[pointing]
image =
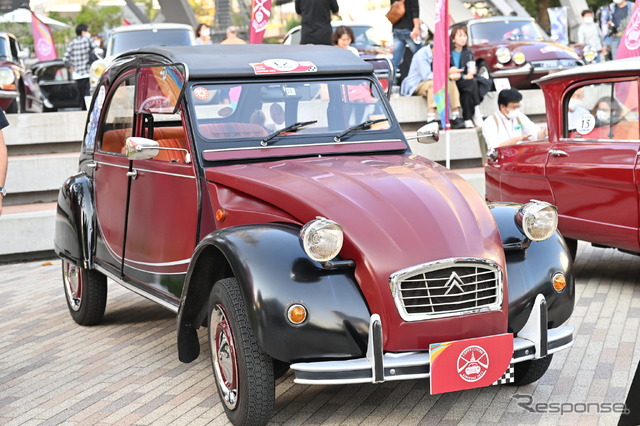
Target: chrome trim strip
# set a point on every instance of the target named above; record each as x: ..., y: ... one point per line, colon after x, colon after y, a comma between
x: 160, y: 264
x: 163, y: 173
x: 153, y: 298
x: 111, y: 164
x: 6, y: 94
x: 396, y: 277
x: 251, y: 148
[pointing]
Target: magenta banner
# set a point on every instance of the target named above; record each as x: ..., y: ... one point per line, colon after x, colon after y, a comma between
x: 260, y: 12
x: 441, y: 60
x: 42, y: 40
x: 630, y: 43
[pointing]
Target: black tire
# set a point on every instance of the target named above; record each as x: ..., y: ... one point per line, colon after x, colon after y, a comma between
x: 16, y: 105
x: 572, y: 245
x: 531, y: 371
x: 243, y: 372
x: 86, y: 293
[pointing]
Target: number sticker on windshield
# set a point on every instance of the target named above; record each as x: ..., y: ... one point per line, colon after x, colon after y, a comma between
x: 585, y: 124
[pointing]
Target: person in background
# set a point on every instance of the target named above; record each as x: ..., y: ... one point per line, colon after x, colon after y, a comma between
x: 4, y: 158
x: 203, y: 35
x: 316, y: 20
x: 575, y: 109
x: 406, y: 32
x: 78, y: 60
x: 463, y: 72
x: 419, y: 82
x: 619, y: 15
x: 232, y: 36
x: 343, y: 37
x: 509, y: 125
x: 607, y: 112
x: 589, y: 33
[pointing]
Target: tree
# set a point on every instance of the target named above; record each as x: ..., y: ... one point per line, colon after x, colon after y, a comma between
x: 99, y: 18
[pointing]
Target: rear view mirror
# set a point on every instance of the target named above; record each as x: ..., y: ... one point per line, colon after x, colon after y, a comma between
x: 136, y: 148
x: 429, y: 133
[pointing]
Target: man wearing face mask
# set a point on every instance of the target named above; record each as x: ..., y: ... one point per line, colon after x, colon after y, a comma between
x: 589, y: 33
x: 509, y: 125
x: 78, y: 60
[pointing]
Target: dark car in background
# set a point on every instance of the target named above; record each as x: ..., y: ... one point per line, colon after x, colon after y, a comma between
x: 19, y: 92
x: 589, y: 166
x: 57, y: 88
x: 516, y: 48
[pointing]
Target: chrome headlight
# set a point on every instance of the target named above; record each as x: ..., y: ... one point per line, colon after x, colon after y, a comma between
x: 503, y: 55
x: 321, y: 239
x: 589, y: 53
x: 6, y: 76
x: 537, y: 220
x: 519, y: 58
x: 96, y: 70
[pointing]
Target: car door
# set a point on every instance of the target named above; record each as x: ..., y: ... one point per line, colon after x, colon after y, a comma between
x: 111, y: 167
x: 593, y: 169
x: 163, y: 205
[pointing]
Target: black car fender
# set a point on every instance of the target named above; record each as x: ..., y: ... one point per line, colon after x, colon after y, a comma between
x: 273, y: 273
x: 75, y: 236
x: 531, y: 267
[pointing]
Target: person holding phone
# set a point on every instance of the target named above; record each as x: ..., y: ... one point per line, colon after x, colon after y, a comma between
x: 509, y: 125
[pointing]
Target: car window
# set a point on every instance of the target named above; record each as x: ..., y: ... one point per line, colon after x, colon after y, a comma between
x: 603, y: 111
x: 495, y: 31
x: 5, y: 52
x: 118, y: 123
x: 128, y: 40
x: 254, y: 110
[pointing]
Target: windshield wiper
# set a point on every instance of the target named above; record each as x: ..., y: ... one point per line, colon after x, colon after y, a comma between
x: 292, y: 128
x: 365, y: 125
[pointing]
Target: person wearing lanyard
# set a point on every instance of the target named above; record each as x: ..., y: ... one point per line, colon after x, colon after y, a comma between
x: 509, y: 125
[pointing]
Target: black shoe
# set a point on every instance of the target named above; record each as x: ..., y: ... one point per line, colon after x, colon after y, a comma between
x: 457, y: 123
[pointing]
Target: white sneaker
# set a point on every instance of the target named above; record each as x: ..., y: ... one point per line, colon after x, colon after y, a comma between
x: 477, y: 117
x: 468, y: 124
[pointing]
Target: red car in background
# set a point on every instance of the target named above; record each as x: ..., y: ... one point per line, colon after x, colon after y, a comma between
x: 588, y: 167
x: 19, y: 92
x: 516, y: 48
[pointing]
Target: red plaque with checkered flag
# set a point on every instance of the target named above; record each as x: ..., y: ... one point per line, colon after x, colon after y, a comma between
x: 471, y: 363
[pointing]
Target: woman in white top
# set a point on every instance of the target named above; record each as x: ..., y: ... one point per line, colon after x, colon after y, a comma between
x: 343, y: 37
x: 203, y: 35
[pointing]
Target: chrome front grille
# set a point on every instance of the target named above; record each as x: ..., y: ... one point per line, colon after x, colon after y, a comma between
x: 446, y: 288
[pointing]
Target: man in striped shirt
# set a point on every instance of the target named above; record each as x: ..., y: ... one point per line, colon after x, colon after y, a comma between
x: 77, y: 58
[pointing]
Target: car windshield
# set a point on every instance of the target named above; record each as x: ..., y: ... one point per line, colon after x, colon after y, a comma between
x: 5, y: 52
x: 495, y: 31
x: 128, y: 40
x: 243, y: 114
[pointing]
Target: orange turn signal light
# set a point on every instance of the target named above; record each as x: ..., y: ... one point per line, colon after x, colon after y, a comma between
x: 297, y: 314
x: 221, y: 215
x: 559, y: 282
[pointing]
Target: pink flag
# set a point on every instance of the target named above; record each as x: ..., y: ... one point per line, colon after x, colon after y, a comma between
x: 260, y: 11
x: 630, y: 42
x: 42, y: 40
x: 441, y: 60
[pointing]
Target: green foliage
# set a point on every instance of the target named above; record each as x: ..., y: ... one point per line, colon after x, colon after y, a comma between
x: 99, y: 18
x: 293, y: 22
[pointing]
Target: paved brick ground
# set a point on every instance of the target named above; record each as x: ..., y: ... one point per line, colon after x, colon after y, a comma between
x: 126, y: 371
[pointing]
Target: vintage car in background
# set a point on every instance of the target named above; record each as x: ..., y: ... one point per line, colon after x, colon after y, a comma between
x: 516, y: 48
x: 270, y: 196
x: 19, y: 92
x: 367, y: 41
x: 130, y: 37
x: 57, y: 88
x: 588, y: 167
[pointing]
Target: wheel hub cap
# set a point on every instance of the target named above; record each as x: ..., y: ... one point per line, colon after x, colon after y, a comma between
x: 73, y: 285
x: 225, y: 365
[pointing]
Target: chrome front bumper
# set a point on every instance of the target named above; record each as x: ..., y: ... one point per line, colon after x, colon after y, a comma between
x: 532, y: 342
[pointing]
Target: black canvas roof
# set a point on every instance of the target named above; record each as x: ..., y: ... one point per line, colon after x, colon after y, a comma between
x: 235, y: 60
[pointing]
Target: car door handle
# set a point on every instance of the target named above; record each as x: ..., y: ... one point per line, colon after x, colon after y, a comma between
x: 132, y: 174
x: 558, y: 153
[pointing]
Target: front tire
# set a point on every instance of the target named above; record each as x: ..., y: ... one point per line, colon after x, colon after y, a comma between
x: 86, y: 293
x: 243, y: 372
x: 572, y: 245
x: 527, y: 372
